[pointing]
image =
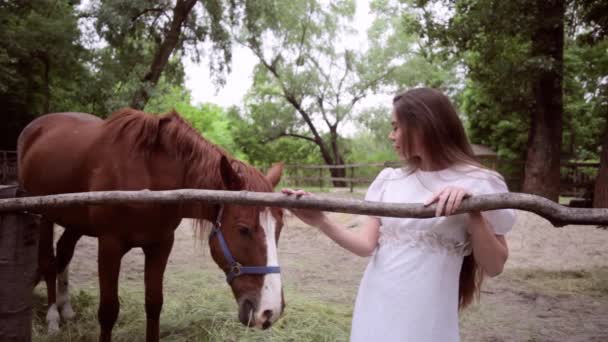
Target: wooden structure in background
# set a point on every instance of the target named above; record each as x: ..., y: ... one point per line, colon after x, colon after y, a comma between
x: 577, y: 178
x: 8, y: 167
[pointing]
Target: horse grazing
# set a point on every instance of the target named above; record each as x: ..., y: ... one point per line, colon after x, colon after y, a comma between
x: 132, y: 150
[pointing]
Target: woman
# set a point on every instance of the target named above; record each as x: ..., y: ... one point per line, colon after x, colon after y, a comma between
x: 422, y: 271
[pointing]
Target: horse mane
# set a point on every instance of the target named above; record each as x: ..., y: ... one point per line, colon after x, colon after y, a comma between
x: 144, y: 133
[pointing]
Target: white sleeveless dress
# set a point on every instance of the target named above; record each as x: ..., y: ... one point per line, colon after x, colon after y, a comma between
x: 409, y: 291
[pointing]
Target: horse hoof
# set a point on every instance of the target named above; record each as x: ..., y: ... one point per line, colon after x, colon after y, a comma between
x: 53, y: 328
x: 52, y: 319
x: 67, y: 312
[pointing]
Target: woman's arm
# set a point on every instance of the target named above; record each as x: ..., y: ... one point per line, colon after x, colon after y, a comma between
x: 490, y: 250
x: 361, y: 243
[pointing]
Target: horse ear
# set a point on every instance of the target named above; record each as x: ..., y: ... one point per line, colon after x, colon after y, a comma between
x: 274, y: 173
x: 230, y: 177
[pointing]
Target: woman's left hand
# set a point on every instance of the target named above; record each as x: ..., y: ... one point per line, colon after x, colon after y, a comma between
x: 449, y: 198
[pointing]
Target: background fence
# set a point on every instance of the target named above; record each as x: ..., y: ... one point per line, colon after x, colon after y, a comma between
x: 8, y: 167
x: 577, y: 179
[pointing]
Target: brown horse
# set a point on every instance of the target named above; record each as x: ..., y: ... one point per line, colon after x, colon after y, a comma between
x: 77, y: 152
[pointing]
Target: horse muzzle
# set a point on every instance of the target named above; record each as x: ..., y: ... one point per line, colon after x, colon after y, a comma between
x: 254, y: 316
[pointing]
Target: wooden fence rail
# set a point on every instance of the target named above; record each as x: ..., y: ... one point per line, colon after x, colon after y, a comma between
x: 576, y: 181
x: 577, y: 178
x: 557, y: 214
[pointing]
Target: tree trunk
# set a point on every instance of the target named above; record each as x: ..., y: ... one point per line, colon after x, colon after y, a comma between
x: 542, y: 172
x: 338, y: 173
x: 330, y: 160
x: 338, y: 160
x: 600, y: 192
x: 180, y: 14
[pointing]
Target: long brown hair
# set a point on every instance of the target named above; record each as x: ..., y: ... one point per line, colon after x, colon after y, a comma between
x: 429, y: 114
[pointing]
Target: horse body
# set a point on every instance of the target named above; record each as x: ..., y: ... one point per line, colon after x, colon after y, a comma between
x: 51, y: 158
x: 77, y: 152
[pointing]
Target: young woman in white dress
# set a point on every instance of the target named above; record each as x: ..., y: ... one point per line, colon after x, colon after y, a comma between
x: 422, y: 271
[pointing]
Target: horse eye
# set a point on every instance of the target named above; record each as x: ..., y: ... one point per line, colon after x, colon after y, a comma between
x: 245, y: 231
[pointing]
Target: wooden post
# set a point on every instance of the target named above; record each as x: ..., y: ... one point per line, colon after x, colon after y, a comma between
x: 18, y: 265
x: 321, y: 178
x: 352, y: 177
x: 4, y: 170
x: 297, y: 177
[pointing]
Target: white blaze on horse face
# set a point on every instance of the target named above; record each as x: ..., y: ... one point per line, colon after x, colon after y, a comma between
x: 271, y: 292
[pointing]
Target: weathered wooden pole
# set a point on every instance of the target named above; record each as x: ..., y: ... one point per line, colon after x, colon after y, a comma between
x: 18, y: 267
x: 558, y: 215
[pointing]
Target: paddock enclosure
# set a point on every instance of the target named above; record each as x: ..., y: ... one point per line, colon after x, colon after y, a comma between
x: 554, y: 288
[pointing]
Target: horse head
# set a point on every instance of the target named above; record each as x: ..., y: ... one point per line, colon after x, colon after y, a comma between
x: 244, y: 242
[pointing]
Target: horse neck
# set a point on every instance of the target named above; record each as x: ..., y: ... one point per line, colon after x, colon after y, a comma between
x: 206, y: 176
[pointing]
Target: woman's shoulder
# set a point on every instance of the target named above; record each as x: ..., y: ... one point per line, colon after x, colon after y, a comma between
x: 391, y: 174
x: 486, y: 180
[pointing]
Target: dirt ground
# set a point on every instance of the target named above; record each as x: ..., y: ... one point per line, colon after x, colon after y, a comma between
x: 554, y: 288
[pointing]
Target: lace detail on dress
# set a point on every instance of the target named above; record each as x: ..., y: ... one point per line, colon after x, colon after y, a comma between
x: 422, y: 239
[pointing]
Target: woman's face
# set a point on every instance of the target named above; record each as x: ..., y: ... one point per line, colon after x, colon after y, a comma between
x: 397, y: 136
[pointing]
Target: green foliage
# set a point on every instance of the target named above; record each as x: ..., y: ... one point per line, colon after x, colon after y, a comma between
x: 41, y: 67
x: 135, y: 30
x: 493, y: 42
x: 64, y: 56
x: 371, y: 143
x: 212, y: 121
x: 401, y: 36
x: 586, y: 97
x: 307, y: 84
x: 261, y: 151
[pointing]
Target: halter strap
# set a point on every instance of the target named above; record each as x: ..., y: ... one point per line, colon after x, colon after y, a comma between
x: 235, y: 269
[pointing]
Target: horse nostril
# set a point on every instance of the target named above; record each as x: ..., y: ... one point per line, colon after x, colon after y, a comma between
x: 246, y: 312
x: 248, y: 304
x: 267, y: 314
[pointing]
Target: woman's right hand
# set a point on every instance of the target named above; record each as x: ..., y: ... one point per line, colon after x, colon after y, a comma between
x: 312, y: 217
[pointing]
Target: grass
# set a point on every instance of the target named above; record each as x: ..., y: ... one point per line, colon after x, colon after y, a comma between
x: 195, y: 311
x: 200, y: 307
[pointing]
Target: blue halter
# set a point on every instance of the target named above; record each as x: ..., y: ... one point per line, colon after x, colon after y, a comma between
x: 235, y: 269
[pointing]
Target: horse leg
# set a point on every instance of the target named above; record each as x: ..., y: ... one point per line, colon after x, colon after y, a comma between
x: 156, y: 261
x: 47, y: 269
x: 111, y: 251
x: 65, y: 252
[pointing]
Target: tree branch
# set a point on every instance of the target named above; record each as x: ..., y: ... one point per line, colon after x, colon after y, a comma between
x: 557, y: 214
x: 147, y: 10
x: 320, y: 100
x: 163, y: 51
x: 283, y: 134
